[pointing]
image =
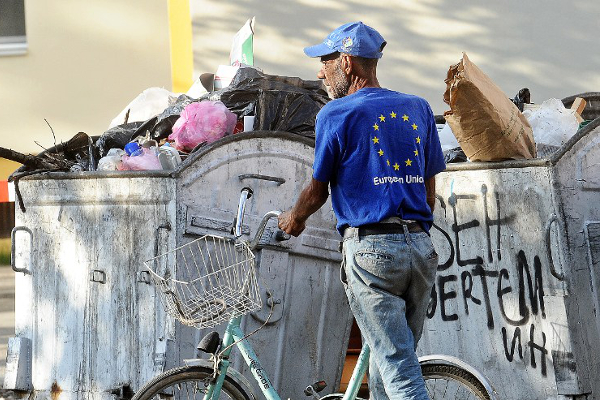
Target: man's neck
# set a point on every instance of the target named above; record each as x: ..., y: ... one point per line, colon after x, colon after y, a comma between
x: 357, y: 83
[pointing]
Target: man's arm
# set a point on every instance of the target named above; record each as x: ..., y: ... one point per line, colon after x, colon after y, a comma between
x: 430, y: 190
x: 311, y: 199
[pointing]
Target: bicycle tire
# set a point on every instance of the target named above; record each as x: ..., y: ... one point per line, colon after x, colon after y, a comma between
x: 458, y: 383
x: 169, y: 384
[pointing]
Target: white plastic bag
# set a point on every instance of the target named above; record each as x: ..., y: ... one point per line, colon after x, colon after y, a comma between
x: 111, y: 161
x: 552, y: 123
x: 146, y: 105
x: 447, y: 138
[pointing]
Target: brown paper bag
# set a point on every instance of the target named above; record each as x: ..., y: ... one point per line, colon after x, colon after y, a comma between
x: 487, y: 125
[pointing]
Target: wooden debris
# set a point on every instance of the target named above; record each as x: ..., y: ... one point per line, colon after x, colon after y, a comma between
x: 578, y: 106
x: 46, y: 160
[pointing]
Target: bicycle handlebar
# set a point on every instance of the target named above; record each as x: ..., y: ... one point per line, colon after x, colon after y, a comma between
x: 261, y: 229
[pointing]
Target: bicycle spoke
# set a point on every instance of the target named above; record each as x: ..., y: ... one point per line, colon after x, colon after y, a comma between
x: 445, y: 389
x: 441, y: 389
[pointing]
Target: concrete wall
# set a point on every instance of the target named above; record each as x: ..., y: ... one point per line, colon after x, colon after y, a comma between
x: 548, y: 46
x: 86, y: 62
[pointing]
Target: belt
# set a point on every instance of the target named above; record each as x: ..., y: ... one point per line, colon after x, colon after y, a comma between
x: 381, y: 229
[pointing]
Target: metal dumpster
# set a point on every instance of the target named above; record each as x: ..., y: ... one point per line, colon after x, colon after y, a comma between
x: 517, y: 290
x: 308, y: 333
x: 88, y: 321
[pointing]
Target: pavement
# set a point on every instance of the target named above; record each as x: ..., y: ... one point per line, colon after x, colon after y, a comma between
x: 7, y: 314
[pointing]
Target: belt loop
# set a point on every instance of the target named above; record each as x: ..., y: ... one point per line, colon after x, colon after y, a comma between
x: 406, y: 233
x: 357, y: 234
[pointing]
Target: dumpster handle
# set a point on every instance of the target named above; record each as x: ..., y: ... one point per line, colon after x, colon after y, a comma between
x: 166, y: 226
x: 275, y: 179
x: 144, y: 276
x: 558, y: 275
x: 13, y: 248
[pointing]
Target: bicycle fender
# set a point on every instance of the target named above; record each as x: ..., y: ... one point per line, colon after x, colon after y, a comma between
x: 457, y: 362
x: 232, y: 373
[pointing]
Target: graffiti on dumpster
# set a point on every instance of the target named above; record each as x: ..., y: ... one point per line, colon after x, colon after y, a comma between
x: 501, y: 287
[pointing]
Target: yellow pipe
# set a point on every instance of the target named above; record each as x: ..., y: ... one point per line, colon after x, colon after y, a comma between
x: 182, y: 57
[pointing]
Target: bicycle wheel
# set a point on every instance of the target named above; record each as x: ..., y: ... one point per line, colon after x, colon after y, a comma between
x: 444, y: 381
x: 188, y: 383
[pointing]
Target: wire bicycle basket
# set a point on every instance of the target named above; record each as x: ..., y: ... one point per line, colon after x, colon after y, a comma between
x: 216, y: 281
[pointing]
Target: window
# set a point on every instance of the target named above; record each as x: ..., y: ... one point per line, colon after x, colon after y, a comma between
x: 12, y: 28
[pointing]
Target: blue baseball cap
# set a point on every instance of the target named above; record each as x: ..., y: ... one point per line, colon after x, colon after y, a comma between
x: 355, y: 38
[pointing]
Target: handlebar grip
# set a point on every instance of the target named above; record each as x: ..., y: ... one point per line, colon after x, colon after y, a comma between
x: 280, y: 235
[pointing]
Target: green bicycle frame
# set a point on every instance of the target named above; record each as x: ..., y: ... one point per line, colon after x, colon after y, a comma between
x: 233, y: 333
x: 358, y: 374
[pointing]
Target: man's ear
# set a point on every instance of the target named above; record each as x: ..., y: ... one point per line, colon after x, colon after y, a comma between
x: 347, y: 64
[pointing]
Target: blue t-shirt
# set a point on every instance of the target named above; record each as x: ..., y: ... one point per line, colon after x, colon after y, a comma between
x: 376, y: 148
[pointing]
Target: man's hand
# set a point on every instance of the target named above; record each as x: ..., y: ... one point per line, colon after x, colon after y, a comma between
x: 430, y: 190
x: 289, y: 224
x: 310, y: 200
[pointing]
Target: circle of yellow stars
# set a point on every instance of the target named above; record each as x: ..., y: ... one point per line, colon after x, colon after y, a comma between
x: 405, y: 118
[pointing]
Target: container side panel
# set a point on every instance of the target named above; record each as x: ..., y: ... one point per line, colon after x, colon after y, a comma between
x: 93, y: 319
x: 495, y: 303
x: 577, y: 179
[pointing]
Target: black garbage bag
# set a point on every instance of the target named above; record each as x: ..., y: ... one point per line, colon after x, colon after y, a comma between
x: 522, y: 98
x: 117, y: 137
x: 455, y: 155
x: 286, y: 111
x: 278, y: 102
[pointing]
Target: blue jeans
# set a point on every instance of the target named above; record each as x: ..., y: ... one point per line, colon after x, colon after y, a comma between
x: 388, y: 280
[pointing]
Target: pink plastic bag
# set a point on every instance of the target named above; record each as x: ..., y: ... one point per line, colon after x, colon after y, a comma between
x: 146, y: 161
x: 206, y: 121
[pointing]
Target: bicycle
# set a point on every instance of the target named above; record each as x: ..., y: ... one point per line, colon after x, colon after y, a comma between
x: 222, y: 288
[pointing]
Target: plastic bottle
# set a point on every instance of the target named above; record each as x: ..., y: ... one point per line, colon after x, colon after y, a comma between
x: 133, y: 149
x: 168, y: 156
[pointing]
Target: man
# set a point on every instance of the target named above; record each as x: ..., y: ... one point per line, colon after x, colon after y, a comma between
x: 379, y: 151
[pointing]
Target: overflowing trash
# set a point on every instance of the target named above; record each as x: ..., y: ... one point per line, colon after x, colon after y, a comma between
x: 158, y: 129
x: 488, y: 126
x: 253, y: 99
x: 553, y: 125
